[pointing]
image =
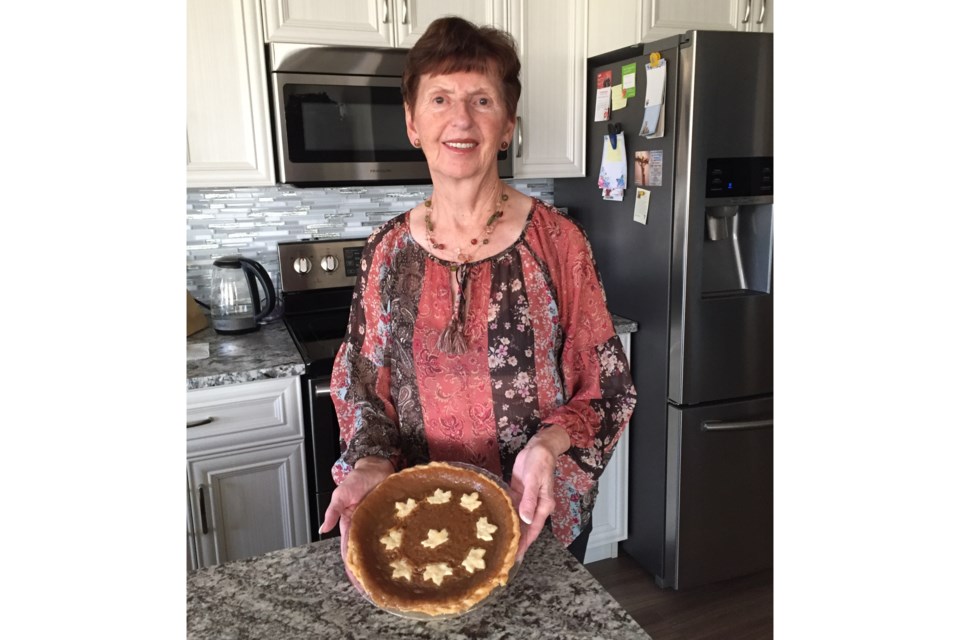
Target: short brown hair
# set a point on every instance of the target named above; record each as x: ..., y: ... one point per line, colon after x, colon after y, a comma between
x: 452, y: 44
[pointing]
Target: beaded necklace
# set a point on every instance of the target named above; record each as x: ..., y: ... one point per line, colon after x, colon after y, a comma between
x: 453, y: 340
x: 477, y: 242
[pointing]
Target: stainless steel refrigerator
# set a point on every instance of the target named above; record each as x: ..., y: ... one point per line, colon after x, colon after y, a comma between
x: 697, y: 276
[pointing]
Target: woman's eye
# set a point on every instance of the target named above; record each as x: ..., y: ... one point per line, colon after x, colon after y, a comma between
x: 484, y: 101
x: 438, y: 100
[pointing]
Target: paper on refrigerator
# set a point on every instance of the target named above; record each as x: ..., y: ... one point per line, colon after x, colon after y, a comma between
x: 613, y: 168
x: 652, y: 126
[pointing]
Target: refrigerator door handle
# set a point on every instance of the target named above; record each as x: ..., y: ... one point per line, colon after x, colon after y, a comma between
x: 735, y: 425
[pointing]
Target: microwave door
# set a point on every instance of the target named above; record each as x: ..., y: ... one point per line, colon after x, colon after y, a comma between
x: 343, y: 129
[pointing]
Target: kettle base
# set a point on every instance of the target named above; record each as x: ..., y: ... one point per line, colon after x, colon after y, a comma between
x: 233, y: 332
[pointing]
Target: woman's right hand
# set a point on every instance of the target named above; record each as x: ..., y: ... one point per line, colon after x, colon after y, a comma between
x: 367, y: 473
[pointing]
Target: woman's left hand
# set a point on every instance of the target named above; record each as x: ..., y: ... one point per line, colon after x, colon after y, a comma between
x: 532, y: 482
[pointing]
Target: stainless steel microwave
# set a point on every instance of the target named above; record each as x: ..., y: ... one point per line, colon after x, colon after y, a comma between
x: 338, y: 117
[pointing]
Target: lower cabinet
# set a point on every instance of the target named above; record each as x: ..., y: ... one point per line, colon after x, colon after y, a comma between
x: 610, y: 510
x: 246, y: 494
x: 248, y: 503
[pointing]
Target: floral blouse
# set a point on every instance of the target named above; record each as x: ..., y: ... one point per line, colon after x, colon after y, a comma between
x: 541, y: 350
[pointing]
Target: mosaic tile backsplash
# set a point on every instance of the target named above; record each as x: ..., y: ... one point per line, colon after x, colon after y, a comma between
x: 250, y: 221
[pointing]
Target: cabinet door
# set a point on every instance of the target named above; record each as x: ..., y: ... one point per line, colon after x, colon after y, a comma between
x: 756, y: 16
x: 357, y: 22
x: 610, y: 509
x: 414, y: 16
x: 662, y: 18
x: 551, y: 36
x: 192, y: 562
x: 228, y: 126
x: 612, y: 24
x: 248, y: 503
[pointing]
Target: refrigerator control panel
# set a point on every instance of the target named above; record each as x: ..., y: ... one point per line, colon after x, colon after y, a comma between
x: 739, y: 177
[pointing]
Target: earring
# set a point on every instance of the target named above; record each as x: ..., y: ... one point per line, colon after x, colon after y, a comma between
x: 416, y: 142
x: 504, y: 145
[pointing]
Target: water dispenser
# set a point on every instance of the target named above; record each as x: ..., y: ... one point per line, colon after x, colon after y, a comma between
x: 738, y: 227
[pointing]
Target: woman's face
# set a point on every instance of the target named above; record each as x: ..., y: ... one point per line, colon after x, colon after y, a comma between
x: 461, y: 119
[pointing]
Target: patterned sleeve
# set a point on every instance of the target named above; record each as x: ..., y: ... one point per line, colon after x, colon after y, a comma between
x: 360, y: 383
x: 593, y: 366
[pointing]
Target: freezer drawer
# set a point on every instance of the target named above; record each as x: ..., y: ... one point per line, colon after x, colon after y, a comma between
x: 719, y: 492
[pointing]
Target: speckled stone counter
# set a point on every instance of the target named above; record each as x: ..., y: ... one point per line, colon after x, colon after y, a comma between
x: 267, y: 353
x: 303, y: 592
x: 622, y: 325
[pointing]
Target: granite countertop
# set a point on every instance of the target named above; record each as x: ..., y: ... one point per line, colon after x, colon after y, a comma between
x: 622, y: 325
x: 303, y: 592
x: 263, y: 354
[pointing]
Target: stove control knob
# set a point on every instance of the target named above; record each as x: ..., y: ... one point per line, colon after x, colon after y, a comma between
x: 329, y: 263
x: 302, y: 265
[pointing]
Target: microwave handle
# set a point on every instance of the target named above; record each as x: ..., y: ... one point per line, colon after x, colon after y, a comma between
x: 519, y: 137
x: 386, y: 11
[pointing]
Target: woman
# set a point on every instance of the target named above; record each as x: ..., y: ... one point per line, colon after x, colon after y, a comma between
x: 479, y: 331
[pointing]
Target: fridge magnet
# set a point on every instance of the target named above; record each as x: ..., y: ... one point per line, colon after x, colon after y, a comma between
x: 648, y: 168
x: 641, y: 205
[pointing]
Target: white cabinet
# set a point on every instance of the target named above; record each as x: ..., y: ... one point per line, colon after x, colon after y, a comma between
x: 373, y: 23
x: 756, y: 16
x: 618, y: 23
x: 245, y: 471
x: 610, y: 509
x: 228, y: 123
x: 551, y: 36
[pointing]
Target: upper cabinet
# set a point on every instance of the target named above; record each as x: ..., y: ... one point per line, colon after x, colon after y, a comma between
x: 229, y: 140
x: 618, y: 23
x: 372, y: 23
x: 551, y: 36
x: 228, y: 122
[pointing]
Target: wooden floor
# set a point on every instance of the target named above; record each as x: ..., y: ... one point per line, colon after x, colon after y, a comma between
x: 740, y: 609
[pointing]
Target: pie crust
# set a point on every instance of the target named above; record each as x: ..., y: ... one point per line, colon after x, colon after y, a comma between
x: 444, y: 555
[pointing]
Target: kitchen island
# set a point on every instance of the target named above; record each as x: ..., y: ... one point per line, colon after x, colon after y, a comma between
x: 303, y: 592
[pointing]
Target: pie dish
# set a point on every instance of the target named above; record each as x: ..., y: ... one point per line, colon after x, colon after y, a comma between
x: 434, y: 539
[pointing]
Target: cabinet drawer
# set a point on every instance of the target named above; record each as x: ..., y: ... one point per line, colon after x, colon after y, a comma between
x: 240, y: 415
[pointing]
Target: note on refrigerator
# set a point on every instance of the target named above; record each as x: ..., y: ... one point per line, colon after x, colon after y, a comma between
x: 618, y: 97
x: 652, y: 126
x: 613, y: 169
x: 641, y: 205
x: 629, y: 74
x: 656, y: 83
x: 603, y: 105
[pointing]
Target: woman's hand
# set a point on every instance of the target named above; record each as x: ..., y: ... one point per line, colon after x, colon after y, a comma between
x: 367, y: 473
x: 532, y: 482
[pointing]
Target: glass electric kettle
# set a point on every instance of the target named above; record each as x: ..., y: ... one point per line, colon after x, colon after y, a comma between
x: 236, y: 305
